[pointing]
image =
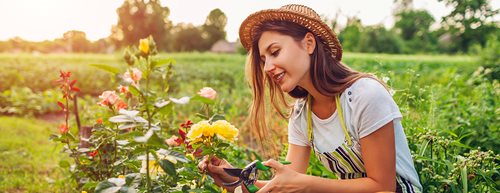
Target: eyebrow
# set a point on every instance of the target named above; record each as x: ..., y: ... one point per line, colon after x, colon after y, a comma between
x: 268, y: 47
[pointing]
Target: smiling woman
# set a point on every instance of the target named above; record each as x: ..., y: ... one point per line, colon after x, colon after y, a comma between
x: 347, y: 118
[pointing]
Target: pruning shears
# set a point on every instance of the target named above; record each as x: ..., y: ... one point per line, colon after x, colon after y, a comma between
x: 248, y: 175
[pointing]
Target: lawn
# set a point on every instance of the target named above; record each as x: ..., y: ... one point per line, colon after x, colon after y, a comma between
x: 449, y: 107
x: 28, y: 159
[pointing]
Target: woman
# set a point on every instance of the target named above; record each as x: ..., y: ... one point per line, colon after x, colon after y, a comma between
x: 347, y: 118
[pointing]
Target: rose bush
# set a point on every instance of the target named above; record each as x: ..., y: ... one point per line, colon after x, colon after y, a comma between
x: 134, y: 144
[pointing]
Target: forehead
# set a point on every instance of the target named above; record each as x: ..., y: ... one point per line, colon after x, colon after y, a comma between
x: 269, y: 37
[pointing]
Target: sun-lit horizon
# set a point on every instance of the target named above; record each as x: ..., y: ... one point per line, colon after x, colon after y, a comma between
x: 50, y: 19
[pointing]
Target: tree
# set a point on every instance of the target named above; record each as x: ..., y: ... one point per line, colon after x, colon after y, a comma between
x: 213, y: 28
x: 76, y: 41
x: 470, y: 21
x: 137, y: 19
x: 378, y: 39
x: 414, y: 27
x: 402, y: 6
x: 350, y: 36
x: 187, y: 38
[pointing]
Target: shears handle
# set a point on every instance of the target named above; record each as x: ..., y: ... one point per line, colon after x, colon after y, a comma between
x: 252, y: 188
x: 259, y: 165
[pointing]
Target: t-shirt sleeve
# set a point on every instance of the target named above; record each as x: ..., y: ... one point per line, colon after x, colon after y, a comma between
x: 297, y: 134
x: 373, y: 107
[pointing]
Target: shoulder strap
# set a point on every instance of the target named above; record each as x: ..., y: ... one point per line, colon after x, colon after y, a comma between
x: 340, y: 113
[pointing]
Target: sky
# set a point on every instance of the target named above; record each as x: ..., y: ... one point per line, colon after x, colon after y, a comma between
x: 38, y: 20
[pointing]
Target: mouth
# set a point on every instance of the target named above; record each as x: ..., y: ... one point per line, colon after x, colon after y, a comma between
x: 279, y: 77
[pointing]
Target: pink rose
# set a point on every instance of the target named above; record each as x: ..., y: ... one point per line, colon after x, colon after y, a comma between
x: 173, y: 141
x: 108, y: 98
x: 208, y: 93
x: 123, y: 89
x: 133, y: 75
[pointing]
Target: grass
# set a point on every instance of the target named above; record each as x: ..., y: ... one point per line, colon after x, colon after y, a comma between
x: 28, y: 159
x: 438, y: 93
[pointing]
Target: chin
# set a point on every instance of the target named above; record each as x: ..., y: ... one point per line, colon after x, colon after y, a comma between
x: 286, y: 88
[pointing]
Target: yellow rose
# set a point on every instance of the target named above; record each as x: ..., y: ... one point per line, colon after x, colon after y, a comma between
x: 197, y: 130
x: 225, y: 130
x: 144, y: 45
x: 209, y: 131
x: 154, y: 168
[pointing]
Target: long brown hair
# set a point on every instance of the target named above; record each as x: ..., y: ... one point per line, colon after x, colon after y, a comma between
x: 329, y: 76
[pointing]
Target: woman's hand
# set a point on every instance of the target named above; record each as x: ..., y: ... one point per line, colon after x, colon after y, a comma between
x: 285, y: 179
x: 215, y: 168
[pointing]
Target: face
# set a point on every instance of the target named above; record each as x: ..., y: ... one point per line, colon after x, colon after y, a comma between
x: 285, y: 60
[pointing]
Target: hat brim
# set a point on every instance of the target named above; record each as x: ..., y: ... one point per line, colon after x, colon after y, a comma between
x: 316, y: 26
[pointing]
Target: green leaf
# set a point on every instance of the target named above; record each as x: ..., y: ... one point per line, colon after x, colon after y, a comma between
x: 106, y: 67
x: 156, y: 140
x: 103, y: 186
x: 217, y: 117
x: 457, y: 143
x: 464, y: 179
x: 135, y: 91
x: 423, y: 147
x: 55, y: 138
x: 168, y: 167
x: 64, y: 164
x: 129, y: 134
x: 201, y: 116
x: 179, y: 156
x: 165, y: 61
x: 133, y: 179
x: 89, y: 186
x: 223, y: 145
x: 145, y: 138
x: 202, y: 99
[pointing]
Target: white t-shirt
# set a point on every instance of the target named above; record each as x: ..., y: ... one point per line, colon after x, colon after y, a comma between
x: 367, y: 106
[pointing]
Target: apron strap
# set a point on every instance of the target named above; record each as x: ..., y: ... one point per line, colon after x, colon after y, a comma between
x: 340, y: 113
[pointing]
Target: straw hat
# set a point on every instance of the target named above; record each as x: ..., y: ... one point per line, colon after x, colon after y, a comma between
x: 299, y: 14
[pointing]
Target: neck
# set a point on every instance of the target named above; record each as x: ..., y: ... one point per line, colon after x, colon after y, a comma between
x: 317, y: 97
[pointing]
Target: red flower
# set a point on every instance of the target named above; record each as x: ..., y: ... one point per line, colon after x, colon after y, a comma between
x: 93, y: 154
x: 63, y: 128
x: 63, y: 74
x: 182, y: 134
x: 121, y: 105
x: 60, y: 104
x: 198, y: 152
x: 187, y: 124
x: 98, y: 121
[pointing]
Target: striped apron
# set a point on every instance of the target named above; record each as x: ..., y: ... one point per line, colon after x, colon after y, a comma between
x: 346, y: 161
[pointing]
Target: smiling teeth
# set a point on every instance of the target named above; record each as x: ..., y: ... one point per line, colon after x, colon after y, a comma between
x: 280, y: 76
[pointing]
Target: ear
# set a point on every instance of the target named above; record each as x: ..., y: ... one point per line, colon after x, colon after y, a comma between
x: 309, y: 42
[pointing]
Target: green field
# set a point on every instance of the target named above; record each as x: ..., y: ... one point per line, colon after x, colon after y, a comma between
x: 448, y: 104
x: 28, y: 160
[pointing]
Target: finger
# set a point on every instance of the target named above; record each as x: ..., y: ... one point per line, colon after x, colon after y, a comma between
x: 203, y: 164
x: 215, y: 169
x: 273, y: 164
x: 215, y: 161
x: 267, y: 188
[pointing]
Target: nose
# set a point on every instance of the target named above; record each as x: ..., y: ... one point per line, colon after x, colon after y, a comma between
x: 268, y: 65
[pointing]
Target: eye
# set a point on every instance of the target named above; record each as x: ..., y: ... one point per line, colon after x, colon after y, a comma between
x: 275, y: 53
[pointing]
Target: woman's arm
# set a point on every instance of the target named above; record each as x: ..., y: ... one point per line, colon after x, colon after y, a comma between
x: 379, y: 157
x: 299, y: 156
